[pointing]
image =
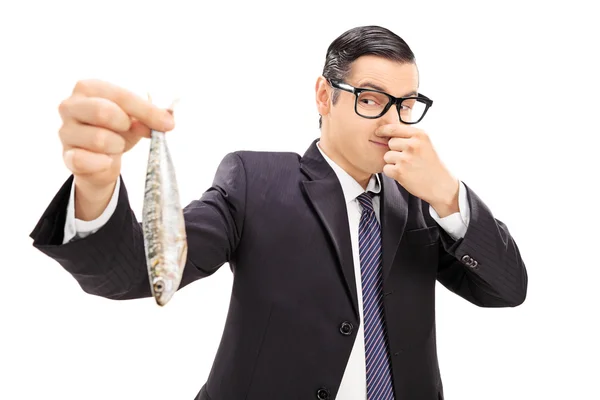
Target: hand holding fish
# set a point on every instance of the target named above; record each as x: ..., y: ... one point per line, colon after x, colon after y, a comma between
x: 101, y: 121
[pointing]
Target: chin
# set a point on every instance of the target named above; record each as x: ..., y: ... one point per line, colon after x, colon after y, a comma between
x: 377, y: 167
x: 373, y: 168
x: 370, y: 164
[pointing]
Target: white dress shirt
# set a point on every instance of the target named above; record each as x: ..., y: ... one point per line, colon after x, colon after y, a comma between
x: 354, y: 381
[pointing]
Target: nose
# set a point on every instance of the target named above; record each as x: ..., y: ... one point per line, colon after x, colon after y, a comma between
x: 392, y: 116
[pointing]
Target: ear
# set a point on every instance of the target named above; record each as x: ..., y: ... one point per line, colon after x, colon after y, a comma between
x: 322, y: 94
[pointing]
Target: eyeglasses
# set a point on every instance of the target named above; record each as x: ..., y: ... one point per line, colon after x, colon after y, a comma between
x: 373, y: 104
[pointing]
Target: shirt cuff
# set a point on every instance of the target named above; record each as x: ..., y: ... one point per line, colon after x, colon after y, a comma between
x: 76, y: 228
x: 455, y: 224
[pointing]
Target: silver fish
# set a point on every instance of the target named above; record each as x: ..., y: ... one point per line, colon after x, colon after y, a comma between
x: 165, y: 239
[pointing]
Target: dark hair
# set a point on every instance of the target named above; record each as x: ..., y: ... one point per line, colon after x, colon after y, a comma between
x: 360, y: 41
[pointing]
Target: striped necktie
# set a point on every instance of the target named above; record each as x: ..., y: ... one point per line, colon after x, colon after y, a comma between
x: 379, y: 375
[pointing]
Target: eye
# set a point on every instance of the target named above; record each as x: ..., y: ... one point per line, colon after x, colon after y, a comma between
x: 372, y: 99
x: 408, y: 104
x: 159, y: 285
x: 369, y: 102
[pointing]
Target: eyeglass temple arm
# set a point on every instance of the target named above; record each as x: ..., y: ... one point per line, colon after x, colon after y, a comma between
x: 341, y: 85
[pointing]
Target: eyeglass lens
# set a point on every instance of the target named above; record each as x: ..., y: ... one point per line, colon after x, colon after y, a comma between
x: 372, y: 104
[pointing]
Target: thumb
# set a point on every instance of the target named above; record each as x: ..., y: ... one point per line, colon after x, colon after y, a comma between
x: 136, y: 131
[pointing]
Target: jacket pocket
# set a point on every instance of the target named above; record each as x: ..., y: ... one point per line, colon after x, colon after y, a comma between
x: 422, y: 236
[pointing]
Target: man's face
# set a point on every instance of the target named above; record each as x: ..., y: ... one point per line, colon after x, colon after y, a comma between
x: 348, y: 138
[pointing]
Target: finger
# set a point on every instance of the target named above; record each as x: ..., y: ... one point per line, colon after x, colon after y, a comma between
x: 81, y: 161
x: 390, y: 170
x: 399, y: 144
x: 393, y: 157
x: 92, y: 138
x: 95, y: 111
x: 139, y: 129
x: 135, y: 133
x: 138, y: 107
x: 395, y: 130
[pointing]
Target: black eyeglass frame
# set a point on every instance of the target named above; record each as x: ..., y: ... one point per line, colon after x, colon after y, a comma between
x: 393, y: 100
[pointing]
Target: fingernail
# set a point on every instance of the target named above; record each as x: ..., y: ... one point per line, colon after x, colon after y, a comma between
x: 69, y: 158
x: 168, y: 122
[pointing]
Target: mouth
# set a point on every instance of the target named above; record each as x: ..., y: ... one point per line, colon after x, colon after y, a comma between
x: 379, y: 143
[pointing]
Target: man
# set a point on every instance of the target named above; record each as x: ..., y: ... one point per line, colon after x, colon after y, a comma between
x: 335, y: 254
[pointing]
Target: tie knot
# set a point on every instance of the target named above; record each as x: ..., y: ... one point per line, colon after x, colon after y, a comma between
x: 366, y: 200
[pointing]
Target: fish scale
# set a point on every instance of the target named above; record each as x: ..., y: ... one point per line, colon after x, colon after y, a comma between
x: 165, y: 240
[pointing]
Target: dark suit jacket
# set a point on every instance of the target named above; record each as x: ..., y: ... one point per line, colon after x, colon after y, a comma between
x: 280, y: 222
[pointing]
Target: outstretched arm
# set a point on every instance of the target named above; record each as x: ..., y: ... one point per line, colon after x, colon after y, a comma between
x: 111, y: 261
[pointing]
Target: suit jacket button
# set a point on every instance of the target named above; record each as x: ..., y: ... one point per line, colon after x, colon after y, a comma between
x: 467, y: 259
x: 346, y: 328
x: 322, y: 394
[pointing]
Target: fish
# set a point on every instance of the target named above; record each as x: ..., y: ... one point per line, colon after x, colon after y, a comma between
x: 163, y: 224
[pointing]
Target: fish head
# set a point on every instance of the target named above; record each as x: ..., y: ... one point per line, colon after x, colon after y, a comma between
x: 167, y: 278
x: 164, y: 287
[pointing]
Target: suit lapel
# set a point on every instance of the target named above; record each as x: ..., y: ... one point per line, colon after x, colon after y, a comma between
x: 394, y: 212
x: 325, y: 193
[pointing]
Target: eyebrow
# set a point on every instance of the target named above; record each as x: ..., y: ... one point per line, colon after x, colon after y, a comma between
x: 377, y: 87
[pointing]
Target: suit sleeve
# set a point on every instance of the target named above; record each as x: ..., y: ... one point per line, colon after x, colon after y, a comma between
x: 76, y: 228
x: 485, y: 266
x: 111, y: 262
x: 455, y: 224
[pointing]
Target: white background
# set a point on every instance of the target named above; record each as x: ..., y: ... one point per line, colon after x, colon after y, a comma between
x: 515, y: 89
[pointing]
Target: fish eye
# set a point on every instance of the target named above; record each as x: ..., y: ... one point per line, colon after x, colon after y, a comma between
x: 159, y: 285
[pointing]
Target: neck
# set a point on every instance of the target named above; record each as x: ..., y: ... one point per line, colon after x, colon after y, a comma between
x: 359, y: 176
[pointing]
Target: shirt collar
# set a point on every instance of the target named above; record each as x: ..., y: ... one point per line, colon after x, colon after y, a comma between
x: 350, y: 187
